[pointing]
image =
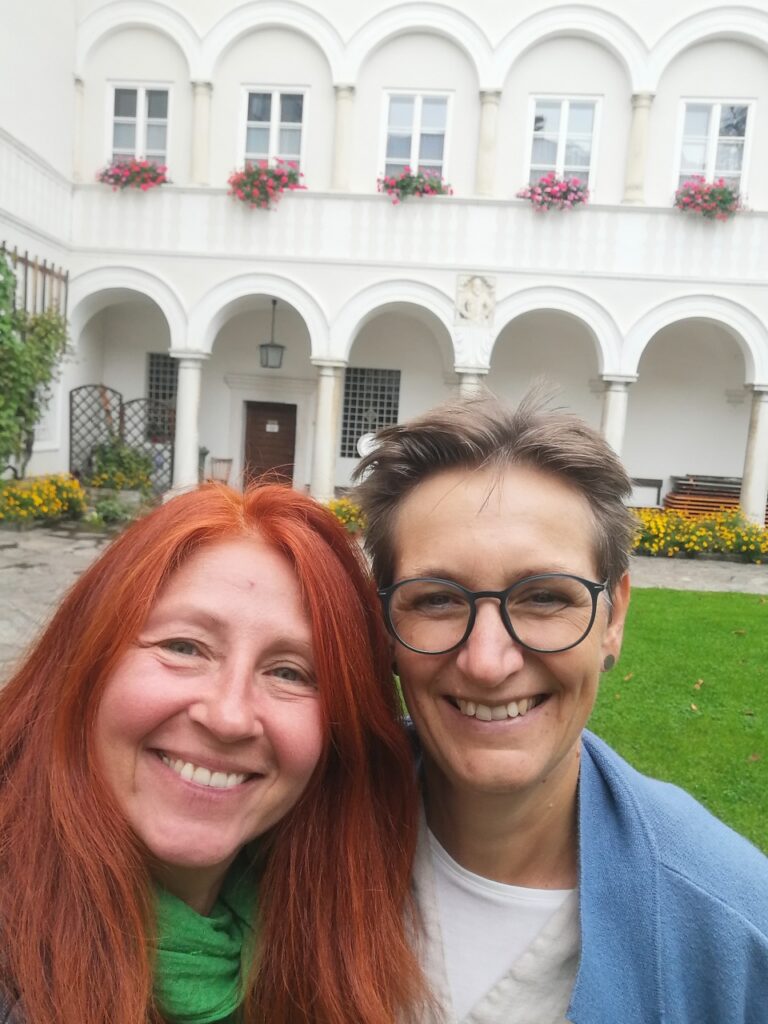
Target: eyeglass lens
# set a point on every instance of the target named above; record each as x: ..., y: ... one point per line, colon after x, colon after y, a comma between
x: 548, y: 613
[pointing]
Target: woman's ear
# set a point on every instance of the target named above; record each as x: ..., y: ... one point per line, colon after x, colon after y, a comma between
x: 614, y: 631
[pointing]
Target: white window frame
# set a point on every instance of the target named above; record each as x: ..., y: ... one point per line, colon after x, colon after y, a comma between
x: 418, y: 95
x: 565, y: 101
x: 274, y: 123
x: 717, y: 102
x: 141, y: 89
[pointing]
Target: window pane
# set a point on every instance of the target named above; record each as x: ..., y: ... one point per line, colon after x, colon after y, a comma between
x: 291, y: 108
x: 156, y: 138
x: 125, y: 103
x: 400, y: 111
x: 577, y: 154
x: 580, y: 173
x: 547, y: 118
x: 729, y: 157
x: 259, y: 106
x: 544, y: 151
x: 580, y: 118
x: 733, y: 121
x: 694, y: 156
x: 393, y: 170
x: 731, y: 181
x: 697, y: 119
x: 157, y: 103
x: 124, y: 136
x: 257, y: 141
x: 398, y: 146
x: 434, y: 110
x: 290, y: 141
x: 431, y: 147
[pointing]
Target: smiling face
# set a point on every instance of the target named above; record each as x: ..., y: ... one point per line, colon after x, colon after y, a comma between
x: 209, y: 729
x: 492, y: 716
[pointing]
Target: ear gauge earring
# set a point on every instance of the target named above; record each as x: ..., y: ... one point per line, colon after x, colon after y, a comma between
x: 609, y: 662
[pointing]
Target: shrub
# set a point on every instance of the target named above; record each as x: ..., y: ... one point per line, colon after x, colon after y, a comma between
x: 261, y: 185
x: 112, y: 510
x: 348, y: 513
x: 711, y: 199
x: 119, y: 466
x: 140, y: 174
x: 553, y: 193
x: 43, y: 498
x: 422, y: 183
x: 668, y: 532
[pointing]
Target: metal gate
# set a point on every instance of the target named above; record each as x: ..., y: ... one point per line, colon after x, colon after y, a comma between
x: 98, y: 413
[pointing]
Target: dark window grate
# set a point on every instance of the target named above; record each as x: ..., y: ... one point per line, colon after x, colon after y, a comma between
x: 371, y: 401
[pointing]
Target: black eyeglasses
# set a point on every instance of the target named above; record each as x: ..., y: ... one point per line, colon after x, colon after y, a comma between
x: 547, y: 613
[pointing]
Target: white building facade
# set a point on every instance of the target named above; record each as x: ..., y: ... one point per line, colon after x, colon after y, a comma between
x: 652, y: 322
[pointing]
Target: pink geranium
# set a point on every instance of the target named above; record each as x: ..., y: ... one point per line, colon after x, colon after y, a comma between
x: 261, y: 186
x: 553, y: 193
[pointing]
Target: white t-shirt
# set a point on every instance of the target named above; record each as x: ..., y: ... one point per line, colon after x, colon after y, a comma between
x: 486, y: 927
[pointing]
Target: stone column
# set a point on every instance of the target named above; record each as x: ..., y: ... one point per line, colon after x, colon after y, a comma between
x: 201, y: 132
x: 186, y: 442
x: 342, y: 137
x: 754, y: 482
x: 614, y: 418
x: 634, y: 176
x: 330, y: 381
x: 470, y: 383
x: 486, y: 147
x: 77, y: 130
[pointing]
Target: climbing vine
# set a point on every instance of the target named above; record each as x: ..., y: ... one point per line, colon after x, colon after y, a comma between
x: 31, y: 348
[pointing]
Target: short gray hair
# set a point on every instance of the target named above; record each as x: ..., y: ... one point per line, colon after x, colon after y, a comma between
x: 481, y: 432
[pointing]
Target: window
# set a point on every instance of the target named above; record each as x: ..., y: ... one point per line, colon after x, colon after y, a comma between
x: 713, y: 141
x: 140, y: 124
x: 416, y: 129
x: 273, y: 126
x: 162, y: 383
x: 563, y: 130
x: 371, y: 401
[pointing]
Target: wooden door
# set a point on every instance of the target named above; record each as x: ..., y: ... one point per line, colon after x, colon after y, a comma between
x: 270, y: 441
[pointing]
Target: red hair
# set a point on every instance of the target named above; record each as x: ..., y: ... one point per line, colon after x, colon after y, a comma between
x: 76, y: 893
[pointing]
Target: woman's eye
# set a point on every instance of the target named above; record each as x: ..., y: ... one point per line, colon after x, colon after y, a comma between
x: 292, y: 675
x: 176, y: 645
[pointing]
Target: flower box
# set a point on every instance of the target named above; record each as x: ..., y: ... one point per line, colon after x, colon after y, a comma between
x: 553, y: 193
x: 713, y: 200
x: 262, y: 185
x: 422, y: 183
x: 137, y: 174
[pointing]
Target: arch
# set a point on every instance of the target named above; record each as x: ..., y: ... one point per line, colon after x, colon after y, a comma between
x: 744, y: 23
x: 368, y: 303
x: 221, y: 302
x: 741, y: 323
x: 601, y: 325
x: 601, y: 26
x: 94, y: 290
x: 137, y: 14
x: 273, y: 14
x: 417, y: 17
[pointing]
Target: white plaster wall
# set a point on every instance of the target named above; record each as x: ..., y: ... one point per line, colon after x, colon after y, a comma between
x: 134, y: 56
x: 425, y: 63
x: 723, y: 69
x: 547, y: 346
x: 566, y: 67
x: 272, y: 58
x: 401, y: 341
x: 37, y: 52
x: 680, y: 419
x: 129, y: 331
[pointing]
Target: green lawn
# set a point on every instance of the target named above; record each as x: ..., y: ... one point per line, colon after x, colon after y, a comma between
x: 688, y: 700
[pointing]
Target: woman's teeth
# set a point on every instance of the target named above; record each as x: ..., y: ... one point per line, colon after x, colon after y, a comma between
x: 203, y: 776
x: 485, y: 713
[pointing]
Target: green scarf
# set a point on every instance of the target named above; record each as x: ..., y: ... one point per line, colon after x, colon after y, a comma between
x: 198, y: 977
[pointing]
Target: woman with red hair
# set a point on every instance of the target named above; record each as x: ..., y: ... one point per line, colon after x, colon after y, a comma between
x: 217, y: 675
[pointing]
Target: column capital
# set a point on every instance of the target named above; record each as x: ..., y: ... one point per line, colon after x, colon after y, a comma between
x: 189, y: 355
x: 625, y: 379
x: 757, y: 389
x: 642, y: 99
x: 343, y: 89
x: 79, y: 83
x: 202, y: 84
x: 490, y: 96
x: 329, y: 364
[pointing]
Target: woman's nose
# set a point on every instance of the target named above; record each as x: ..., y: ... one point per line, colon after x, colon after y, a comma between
x: 489, y: 655
x: 229, y: 706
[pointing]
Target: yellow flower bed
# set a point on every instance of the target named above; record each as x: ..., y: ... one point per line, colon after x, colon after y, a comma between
x: 348, y: 513
x: 670, y: 533
x: 41, y: 498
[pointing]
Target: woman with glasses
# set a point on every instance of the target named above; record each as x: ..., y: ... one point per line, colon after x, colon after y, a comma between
x: 554, y: 882
x: 207, y: 805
